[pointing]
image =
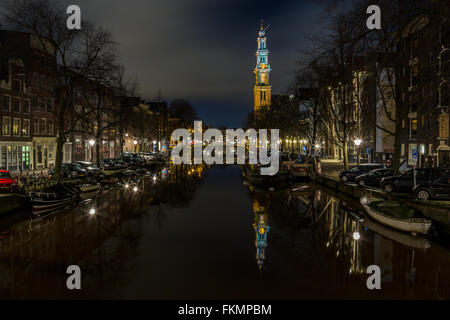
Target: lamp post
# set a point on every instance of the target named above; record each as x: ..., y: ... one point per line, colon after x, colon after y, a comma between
x: 357, y: 144
x: 92, y: 143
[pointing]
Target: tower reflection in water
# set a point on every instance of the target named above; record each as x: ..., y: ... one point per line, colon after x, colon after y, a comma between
x: 262, y: 229
x: 332, y: 243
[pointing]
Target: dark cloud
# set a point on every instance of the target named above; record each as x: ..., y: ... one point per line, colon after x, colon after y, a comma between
x: 204, y: 50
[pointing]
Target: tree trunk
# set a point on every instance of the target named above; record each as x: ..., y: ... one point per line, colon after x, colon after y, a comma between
x: 97, y: 151
x: 60, y: 141
x: 345, y: 153
x: 397, y: 146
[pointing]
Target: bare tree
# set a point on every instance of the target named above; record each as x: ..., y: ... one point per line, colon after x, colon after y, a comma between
x: 77, y: 55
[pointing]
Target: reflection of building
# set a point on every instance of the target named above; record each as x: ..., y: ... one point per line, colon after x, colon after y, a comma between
x: 262, y: 228
x: 262, y: 90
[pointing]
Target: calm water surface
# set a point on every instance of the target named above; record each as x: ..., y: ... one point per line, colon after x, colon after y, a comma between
x: 204, y: 234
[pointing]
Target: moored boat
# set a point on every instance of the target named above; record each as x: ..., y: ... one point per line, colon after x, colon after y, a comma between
x: 54, y: 198
x: 395, y: 215
x: 420, y: 243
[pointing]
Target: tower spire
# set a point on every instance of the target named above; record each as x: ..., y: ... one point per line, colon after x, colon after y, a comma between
x: 262, y: 90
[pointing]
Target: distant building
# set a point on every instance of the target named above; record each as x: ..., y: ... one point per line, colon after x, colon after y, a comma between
x: 262, y: 90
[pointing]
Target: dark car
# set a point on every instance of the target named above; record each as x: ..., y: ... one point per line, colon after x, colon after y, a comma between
x: 109, y: 164
x: 73, y: 170
x: 438, y: 189
x: 374, y: 177
x: 92, y: 169
x: 70, y: 170
x: 405, y: 182
x: 352, y: 173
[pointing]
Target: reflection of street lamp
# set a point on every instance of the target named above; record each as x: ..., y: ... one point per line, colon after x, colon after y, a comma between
x: 357, y: 144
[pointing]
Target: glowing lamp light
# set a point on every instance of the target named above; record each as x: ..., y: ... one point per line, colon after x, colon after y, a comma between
x: 92, y: 211
x: 356, y: 236
x: 135, y: 142
x: 135, y: 189
x: 92, y: 142
x: 127, y: 186
x: 358, y: 142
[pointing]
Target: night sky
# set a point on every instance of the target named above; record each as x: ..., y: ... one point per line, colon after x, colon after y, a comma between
x: 204, y: 50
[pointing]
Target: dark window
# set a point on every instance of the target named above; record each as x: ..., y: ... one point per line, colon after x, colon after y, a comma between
x: 16, y: 104
x: 26, y: 106
x: 6, y: 103
x: 17, y: 84
x: 42, y: 126
x: 42, y: 103
x: 49, y: 104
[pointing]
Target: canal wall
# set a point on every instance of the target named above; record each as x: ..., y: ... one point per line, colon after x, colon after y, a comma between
x: 350, y: 189
x: 436, y: 210
x: 13, y: 202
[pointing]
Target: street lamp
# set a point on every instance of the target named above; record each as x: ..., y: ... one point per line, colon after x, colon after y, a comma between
x: 92, y: 143
x: 135, y: 145
x: 357, y: 144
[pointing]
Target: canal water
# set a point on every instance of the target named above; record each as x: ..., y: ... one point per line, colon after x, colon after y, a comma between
x: 197, y: 233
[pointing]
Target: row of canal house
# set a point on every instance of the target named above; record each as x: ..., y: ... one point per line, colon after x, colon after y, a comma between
x: 420, y: 71
x: 27, y: 103
x: 28, y: 139
x: 422, y: 81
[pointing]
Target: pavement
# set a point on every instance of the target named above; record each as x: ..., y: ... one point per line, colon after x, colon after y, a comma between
x: 332, y: 167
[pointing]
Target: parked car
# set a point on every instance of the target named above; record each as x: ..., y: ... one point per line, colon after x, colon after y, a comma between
x: 352, y: 173
x: 374, y: 177
x: 438, y: 189
x: 70, y: 170
x: 405, y: 181
x: 150, y: 156
x: 120, y: 163
x: 7, y: 182
x: 112, y: 164
x: 92, y: 169
x: 73, y: 170
x: 300, y: 166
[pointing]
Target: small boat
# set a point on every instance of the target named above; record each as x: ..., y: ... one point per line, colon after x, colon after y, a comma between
x: 395, y: 215
x: 54, y: 198
x: 397, y: 236
x: 89, y: 187
x: 252, y: 173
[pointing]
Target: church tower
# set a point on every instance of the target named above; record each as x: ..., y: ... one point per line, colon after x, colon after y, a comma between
x: 263, y: 89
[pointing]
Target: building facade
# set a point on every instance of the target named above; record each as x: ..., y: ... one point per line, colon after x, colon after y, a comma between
x: 27, y: 91
x: 424, y: 82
